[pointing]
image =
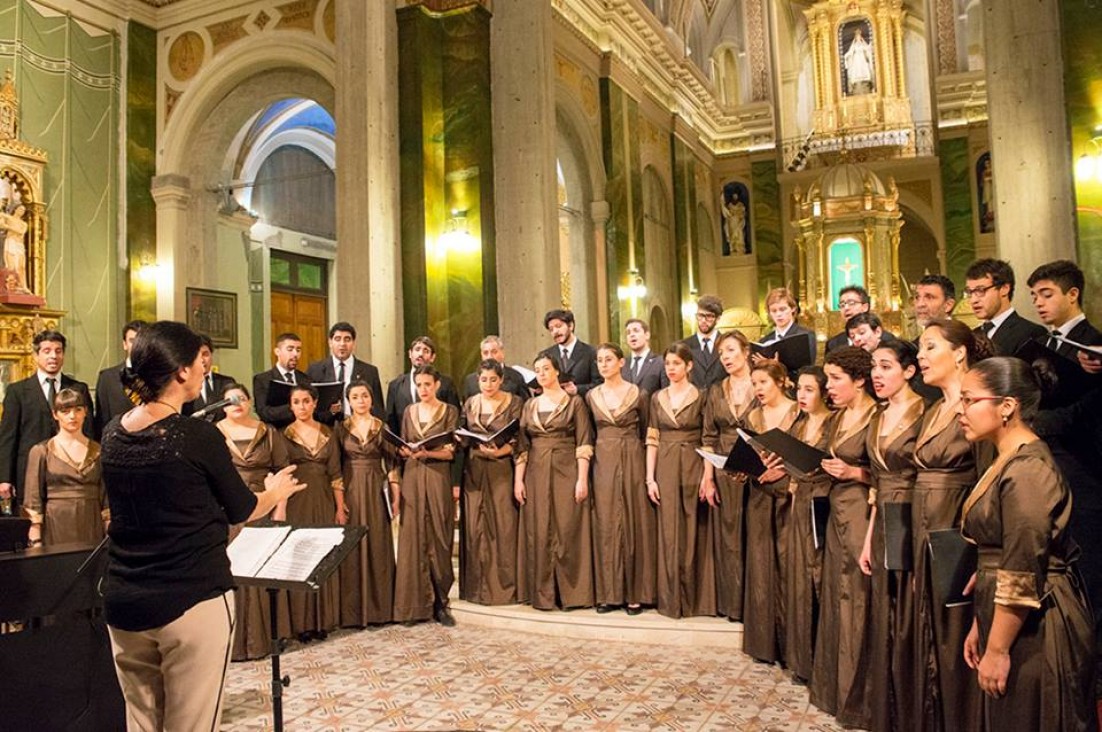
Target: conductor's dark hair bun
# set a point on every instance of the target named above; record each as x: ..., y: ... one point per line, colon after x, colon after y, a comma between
x: 160, y: 350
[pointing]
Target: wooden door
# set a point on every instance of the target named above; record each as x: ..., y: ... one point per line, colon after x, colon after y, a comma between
x: 305, y: 315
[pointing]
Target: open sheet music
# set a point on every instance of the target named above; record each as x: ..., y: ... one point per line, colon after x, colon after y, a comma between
x: 281, y: 552
x: 497, y: 439
x: 429, y: 443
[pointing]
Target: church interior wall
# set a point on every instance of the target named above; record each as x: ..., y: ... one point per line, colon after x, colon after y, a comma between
x: 140, y: 153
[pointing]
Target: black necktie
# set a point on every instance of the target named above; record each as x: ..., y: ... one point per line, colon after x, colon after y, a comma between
x: 1052, y: 342
x: 635, y: 367
x: 210, y: 389
x: 340, y: 372
x: 707, y: 346
x: 987, y: 327
x: 51, y: 391
x: 565, y: 357
x: 290, y: 377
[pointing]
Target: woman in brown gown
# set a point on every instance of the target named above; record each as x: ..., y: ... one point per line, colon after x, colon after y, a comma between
x: 891, y: 441
x: 625, y: 551
x: 367, y: 574
x: 256, y: 450
x: 552, y: 486
x: 64, y: 494
x: 841, y: 672
x: 488, y: 547
x: 675, y: 483
x: 728, y: 404
x: 1032, y: 642
x: 946, y: 693
x: 312, y: 448
x: 768, y: 509
x: 805, y: 564
x: 424, y: 574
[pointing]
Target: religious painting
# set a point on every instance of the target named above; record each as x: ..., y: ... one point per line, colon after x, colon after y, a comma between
x: 735, y: 222
x: 846, y: 257
x: 214, y: 313
x: 985, y: 193
x: 855, y: 49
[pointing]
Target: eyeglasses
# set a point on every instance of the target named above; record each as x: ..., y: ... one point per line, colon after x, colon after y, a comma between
x: 977, y: 291
x: 850, y: 303
x: 968, y: 401
x: 705, y: 316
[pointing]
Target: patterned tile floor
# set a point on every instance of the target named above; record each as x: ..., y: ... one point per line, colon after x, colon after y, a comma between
x: 472, y: 678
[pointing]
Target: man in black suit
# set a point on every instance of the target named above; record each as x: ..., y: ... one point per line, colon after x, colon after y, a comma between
x: 1057, y: 292
x: 579, y: 360
x: 288, y: 350
x: 783, y: 310
x: 989, y: 290
x: 492, y: 349
x: 852, y: 300
x: 342, y: 365
x: 28, y: 412
x: 401, y: 392
x: 865, y: 330
x: 214, y: 384
x: 707, y: 369
x: 111, y: 398
x: 642, y: 367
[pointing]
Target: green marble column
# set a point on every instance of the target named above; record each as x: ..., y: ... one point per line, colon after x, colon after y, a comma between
x: 765, y: 197
x: 685, y: 240
x: 140, y: 296
x: 956, y: 191
x: 446, y: 161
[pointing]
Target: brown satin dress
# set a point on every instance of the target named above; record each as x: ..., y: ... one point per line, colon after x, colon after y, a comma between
x: 841, y: 669
x: 556, y: 531
x: 1018, y: 518
x: 947, y: 696
x: 265, y: 453
x: 490, y: 516
x: 722, y: 416
x: 891, y: 462
x: 804, y: 578
x: 424, y: 573
x: 768, y: 510
x: 70, y: 498
x: 319, y: 467
x: 367, y: 574
x: 686, y: 558
x: 625, y: 546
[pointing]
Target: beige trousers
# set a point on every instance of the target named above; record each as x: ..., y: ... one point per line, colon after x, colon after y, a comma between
x: 172, y: 676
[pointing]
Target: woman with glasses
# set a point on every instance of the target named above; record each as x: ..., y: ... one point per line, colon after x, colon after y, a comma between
x: 1032, y: 642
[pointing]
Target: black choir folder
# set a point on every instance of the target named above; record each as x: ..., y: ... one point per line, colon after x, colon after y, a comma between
x: 429, y: 443
x: 1071, y: 380
x: 329, y: 393
x: 793, y: 350
x: 898, y: 546
x: 800, y: 458
x: 743, y: 458
x: 952, y: 564
x: 498, y: 439
x: 820, y: 516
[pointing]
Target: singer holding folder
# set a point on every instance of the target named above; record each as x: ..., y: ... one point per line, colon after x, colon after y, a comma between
x: 1032, y: 641
x: 892, y: 433
x: 490, y: 515
x: 168, y: 596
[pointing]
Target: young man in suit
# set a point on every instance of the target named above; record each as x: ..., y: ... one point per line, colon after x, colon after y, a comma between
x: 866, y: 331
x: 643, y: 367
x: 401, y: 392
x: 288, y: 350
x: 493, y: 349
x: 852, y: 300
x: 28, y: 411
x: 213, y: 384
x: 783, y: 310
x: 111, y: 398
x: 989, y: 290
x: 342, y: 365
x: 1057, y: 292
x: 707, y: 369
x: 579, y: 360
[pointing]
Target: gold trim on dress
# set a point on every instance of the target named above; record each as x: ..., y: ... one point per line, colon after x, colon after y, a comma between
x: 937, y: 418
x: 666, y: 403
x: 1016, y: 589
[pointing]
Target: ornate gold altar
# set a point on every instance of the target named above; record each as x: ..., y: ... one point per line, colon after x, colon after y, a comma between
x: 860, y: 88
x: 23, y: 228
x: 848, y: 223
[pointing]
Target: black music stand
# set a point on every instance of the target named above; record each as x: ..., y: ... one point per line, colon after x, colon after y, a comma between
x: 353, y: 535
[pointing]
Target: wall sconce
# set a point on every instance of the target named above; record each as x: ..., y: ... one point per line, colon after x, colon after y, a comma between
x: 149, y: 271
x: 457, y: 239
x: 1088, y: 166
x: 637, y: 290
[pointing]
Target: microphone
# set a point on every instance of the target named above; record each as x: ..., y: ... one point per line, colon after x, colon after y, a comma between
x: 234, y: 400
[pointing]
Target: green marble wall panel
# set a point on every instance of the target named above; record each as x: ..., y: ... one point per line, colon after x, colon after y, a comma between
x: 141, y: 166
x: 624, y: 239
x: 960, y: 242
x: 67, y: 77
x: 1082, y: 26
x: 450, y: 289
x: 766, y: 217
x: 684, y: 206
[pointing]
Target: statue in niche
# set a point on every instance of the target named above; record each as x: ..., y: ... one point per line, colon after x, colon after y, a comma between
x: 985, y: 187
x: 858, y: 68
x: 14, y: 226
x: 736, y: 220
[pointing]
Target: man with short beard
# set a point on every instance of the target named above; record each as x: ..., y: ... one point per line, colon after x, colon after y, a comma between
x: 643, y: 367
